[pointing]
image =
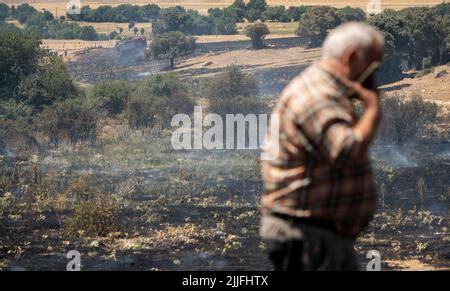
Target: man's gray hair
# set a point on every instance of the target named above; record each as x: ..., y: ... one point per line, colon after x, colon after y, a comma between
x: 357, y: 35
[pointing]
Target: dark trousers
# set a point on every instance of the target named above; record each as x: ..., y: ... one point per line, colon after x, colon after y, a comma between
x: 296, y: 246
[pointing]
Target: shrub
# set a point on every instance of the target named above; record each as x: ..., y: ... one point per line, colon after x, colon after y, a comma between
x: 10, y: 109
x: 51, y: 83
x: 404, y: 119
x: 158, y: 98
x: 99, y: 216
x: 239, y: 105
x: 234, y: 92
x: 231, y: 83
x: 72, y: 120
x: 112, y: 96
x: 142, y: 111
x: 95, y: 213
x: 14, y: 67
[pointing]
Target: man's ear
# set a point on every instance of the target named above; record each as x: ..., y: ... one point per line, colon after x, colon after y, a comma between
x: 352, y: 57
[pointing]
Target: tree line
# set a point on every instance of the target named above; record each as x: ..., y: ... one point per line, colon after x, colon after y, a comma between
x: 416, y: 38
x: 45, y: 26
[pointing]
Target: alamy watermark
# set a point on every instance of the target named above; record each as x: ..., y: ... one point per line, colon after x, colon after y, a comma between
x: 375, y: 260
x: 75, y: 261
x: 237, y: 131
x: 73, y: 7
x: 373, y: 7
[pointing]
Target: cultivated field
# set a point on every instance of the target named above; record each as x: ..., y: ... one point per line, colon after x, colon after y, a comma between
x: 277, y: 29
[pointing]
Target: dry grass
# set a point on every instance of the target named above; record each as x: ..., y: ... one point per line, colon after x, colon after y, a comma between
x: 435, y: 89
x: 275, y: 28
x: 108, y: 27
x: 260, y: 59
x: 412, y: 265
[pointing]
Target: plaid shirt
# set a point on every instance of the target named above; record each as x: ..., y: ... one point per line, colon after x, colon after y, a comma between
x: 314, y: 171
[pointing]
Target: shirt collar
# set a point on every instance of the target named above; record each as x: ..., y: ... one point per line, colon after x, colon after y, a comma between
x: 340, y: 81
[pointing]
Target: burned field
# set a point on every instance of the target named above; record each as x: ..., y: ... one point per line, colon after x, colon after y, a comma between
x: 168, y: 210
x: 108, y: 64
x: 129, y: 201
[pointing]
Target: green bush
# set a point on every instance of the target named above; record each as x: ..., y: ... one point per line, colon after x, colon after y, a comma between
x: 30, y: 75
x: 230, y: 84
x: 234, y: 92
x: 14, y: 66
x: 157, y: 99
x: 143, y: 111
x: 112, y: 96
x: 71, y: 120
x: 404, y: 119
x: 10, y: 109
x: 51, y: 83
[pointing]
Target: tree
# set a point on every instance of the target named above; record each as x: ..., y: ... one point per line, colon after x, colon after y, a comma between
x: 257, y: 32
x: 316, y: 22
x: 49, y: 84
x: 151, y: 11
x: 131, y: 24
x: 170, y: 46
x: 293, y: 13
x: 24, y: 11
x: 412, y: 35
x: 255, y: 8
x: 135, y: 30
x: 4, y: 11
x: 237, y: 10
x: 273, y: 13
x: 20, y: 53
x: 224, y: 25
x: 351, y: 14
x: 142, y: 31
x: 240, y: 4
x: 88, y: 33
x: 173, y: 19
x: 48, y: 15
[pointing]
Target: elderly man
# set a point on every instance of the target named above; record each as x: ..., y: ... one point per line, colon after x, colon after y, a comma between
x: 318, y: 186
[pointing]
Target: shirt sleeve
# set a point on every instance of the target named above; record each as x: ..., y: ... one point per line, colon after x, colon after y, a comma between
x: 328, y: 128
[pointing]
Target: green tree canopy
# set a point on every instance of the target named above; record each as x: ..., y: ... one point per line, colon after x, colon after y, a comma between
x: 316, y: 22
x: 257, y: 32
x: 171, y: 45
